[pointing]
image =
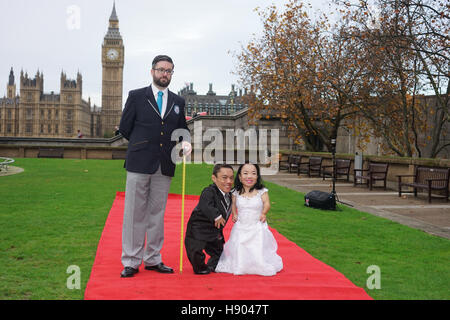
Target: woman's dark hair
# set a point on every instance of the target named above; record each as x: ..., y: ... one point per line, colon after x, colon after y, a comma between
x: 238, y: 184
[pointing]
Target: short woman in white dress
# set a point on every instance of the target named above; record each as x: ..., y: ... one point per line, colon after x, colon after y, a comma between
x: 251, y: 248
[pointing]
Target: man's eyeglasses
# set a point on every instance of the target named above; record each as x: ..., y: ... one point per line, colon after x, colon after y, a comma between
x: 168, y: 71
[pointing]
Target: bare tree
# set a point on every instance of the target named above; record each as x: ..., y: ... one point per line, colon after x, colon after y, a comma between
x: 301, y: 72
x: 406, y: 54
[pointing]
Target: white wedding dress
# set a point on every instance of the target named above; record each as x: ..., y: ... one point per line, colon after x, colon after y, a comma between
x: 251, y: 248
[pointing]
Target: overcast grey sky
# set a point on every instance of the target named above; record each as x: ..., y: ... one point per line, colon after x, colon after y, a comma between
x: 197, y: 34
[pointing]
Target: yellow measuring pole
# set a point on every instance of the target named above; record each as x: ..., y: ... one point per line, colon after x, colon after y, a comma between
x: 182, y: 213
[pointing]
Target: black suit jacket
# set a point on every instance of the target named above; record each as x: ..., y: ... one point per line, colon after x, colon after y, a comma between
x: 149, y: 136
x: 201, y: 223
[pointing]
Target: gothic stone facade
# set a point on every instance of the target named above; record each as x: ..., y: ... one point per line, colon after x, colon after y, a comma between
x: 212, y: 104
x: 33, y: 113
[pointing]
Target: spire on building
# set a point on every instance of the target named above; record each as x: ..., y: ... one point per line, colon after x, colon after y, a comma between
x: 114, y: 14
x: 11, y: 77
x: 211, y: 92
x: 113, y: 30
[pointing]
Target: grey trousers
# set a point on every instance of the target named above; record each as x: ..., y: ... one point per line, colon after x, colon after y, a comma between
x: 145, y: 203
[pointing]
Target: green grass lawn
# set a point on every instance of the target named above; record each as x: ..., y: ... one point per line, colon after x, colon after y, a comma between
x: 53, y: 213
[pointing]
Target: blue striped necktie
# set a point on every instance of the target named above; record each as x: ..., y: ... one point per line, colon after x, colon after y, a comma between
x: 160, y: 101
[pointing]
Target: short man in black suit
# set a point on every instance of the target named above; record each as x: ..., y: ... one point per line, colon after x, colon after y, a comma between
x: 205, y: 226
x: 150, y: 117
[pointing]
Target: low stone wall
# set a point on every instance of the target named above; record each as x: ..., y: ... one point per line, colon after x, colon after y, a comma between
x: 104, y: 153
x: 114, y: 148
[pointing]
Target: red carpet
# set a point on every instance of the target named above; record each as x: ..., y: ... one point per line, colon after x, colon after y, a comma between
x: 303, y: 276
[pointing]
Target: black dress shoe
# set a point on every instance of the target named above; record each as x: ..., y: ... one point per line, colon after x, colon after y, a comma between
x: 211, y: 269
x: 128, y: 272
x: 204, y: 271
x: 161, y: 268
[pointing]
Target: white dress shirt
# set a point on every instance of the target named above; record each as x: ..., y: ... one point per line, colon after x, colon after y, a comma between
x: 165, y: 97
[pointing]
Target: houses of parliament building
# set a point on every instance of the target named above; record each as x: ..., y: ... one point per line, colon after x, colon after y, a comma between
x: 33, y: 113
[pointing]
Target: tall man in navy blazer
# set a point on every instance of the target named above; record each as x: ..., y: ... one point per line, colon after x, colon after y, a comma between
x: 150, y: 116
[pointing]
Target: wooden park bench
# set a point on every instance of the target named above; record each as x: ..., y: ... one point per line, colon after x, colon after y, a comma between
x: 427, y: 178
x: 291, y: 163
x: 342, y: 169
x: 284, y: 164
x: 375, y: 172
x: 313, y: 165
x: 51, y: 153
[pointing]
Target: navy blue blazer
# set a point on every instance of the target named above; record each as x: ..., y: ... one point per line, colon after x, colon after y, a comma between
x: 150, y: 135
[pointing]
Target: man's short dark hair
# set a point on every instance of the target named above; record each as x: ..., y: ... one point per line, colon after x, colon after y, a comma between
x: 219, y: 166
x: 162, y: 58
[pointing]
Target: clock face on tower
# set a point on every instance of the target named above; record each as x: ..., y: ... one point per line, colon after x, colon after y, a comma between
x: 112, y: 54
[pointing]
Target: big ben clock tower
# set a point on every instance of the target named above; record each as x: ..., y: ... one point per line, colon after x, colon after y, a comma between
x: 112, y: 79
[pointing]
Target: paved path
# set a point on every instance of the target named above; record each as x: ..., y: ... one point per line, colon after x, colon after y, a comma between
x: 417, y: 213
x: 10, y: 171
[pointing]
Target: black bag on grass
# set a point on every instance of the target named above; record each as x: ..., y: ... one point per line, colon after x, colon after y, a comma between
x: 320, y: 200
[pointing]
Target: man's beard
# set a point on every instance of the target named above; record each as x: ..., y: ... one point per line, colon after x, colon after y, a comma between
x: 162, y: 84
